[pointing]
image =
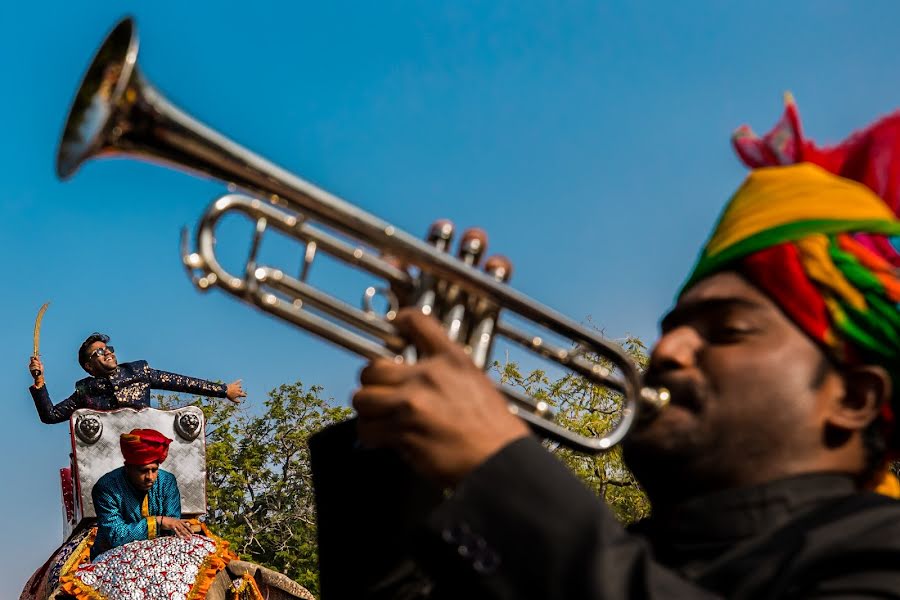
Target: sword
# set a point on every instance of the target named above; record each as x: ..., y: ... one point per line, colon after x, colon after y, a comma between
x: 37, y: 336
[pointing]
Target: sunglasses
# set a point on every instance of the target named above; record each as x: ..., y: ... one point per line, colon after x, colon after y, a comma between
x: 102, y: 352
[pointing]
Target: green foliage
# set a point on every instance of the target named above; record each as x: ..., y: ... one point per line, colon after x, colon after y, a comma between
x: 259, y: 486
x: 588, y: 410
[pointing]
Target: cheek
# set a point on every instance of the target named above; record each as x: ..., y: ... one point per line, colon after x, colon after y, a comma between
x: 765, y: 386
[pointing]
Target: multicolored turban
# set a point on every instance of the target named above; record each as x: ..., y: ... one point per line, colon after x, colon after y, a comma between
x: 810, y: 227
x: 144, y: 446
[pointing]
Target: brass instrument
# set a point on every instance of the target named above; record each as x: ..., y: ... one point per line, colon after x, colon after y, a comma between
x: 116, y: 112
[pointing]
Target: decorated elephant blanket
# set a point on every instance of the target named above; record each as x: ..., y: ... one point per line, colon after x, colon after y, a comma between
x: 165, y: 568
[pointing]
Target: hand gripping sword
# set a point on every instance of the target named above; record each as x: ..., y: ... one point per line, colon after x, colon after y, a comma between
x: 37, y: 337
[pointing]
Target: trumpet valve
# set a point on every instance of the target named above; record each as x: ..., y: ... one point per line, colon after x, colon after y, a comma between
x: 440, y: 234
x: 472, y: 245
x: 499, y: 267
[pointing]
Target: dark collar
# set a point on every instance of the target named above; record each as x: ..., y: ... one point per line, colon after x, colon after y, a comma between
x: 711, y: 523
x: 111, y: 375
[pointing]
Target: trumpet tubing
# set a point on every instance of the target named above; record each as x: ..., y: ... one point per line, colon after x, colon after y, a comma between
x: 116, y: 112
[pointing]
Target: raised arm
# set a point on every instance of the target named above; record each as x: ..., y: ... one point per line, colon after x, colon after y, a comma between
x: 173, y: 382
x: 518, y: 524
x: 47, y: 411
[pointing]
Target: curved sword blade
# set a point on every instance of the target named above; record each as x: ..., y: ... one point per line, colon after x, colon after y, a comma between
x: 37, y: 328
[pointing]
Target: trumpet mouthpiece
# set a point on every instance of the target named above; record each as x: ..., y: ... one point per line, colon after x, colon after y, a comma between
x: 658, y: 398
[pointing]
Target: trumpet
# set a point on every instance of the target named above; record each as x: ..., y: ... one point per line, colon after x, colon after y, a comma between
x: 117, y: 112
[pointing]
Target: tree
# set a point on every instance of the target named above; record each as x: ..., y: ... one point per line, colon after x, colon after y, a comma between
x: 588, y: 410
x: 259, y: 488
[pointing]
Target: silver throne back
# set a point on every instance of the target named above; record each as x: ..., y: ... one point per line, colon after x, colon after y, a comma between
x: 95, y: 452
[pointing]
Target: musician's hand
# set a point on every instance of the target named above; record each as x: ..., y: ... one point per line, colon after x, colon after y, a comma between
x: 235, y: 392
x: 35, y: 365
x: 443, y: 414
x: 404, y: 295
x: 179, y: 527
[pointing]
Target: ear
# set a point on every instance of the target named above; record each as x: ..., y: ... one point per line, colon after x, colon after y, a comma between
x: 866, y: 388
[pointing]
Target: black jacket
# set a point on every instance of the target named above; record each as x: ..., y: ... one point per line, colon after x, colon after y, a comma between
x: 521, y: 526
x: 128, y: 385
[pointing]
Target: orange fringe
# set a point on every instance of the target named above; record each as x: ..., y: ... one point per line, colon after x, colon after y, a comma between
x: 213, y: 563
x: 247, y: 589
x: 886, y: 484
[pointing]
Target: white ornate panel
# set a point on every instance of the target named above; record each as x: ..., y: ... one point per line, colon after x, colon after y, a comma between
x: 95, y: 445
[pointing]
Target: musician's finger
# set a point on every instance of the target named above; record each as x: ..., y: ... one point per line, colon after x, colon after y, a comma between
x: 379, y: 402
x: 425, y: 332
x: 395, y: 261
x: 382, y: 371
x: 381, y: 433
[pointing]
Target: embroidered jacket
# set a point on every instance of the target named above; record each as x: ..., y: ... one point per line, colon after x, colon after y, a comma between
x: 125, y: 514
x: 128, y: 385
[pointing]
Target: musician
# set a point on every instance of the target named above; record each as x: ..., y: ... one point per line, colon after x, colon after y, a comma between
x: 139, y: 500
x: 782, y: 354
x: 113, y: 385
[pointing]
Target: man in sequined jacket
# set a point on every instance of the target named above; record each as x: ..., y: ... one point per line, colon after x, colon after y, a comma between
x: 113, y: 385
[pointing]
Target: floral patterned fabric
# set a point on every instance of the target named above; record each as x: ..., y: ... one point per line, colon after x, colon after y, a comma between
x: 167, y: 568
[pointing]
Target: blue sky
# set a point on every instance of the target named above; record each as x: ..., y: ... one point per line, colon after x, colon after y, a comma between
x: 589, y: 139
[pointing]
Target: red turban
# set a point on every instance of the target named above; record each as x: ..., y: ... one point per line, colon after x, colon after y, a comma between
x: 144, y: 446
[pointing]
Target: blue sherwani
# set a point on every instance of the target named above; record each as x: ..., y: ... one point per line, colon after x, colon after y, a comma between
x: 128, y: 385
x: 124, y: 514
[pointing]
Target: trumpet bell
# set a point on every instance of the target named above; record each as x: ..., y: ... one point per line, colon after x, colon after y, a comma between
x: 103, y: 91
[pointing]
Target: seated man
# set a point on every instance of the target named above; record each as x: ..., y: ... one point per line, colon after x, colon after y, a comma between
x: 112, y: 385
x: 138, y: 500
x: 128, y: 558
